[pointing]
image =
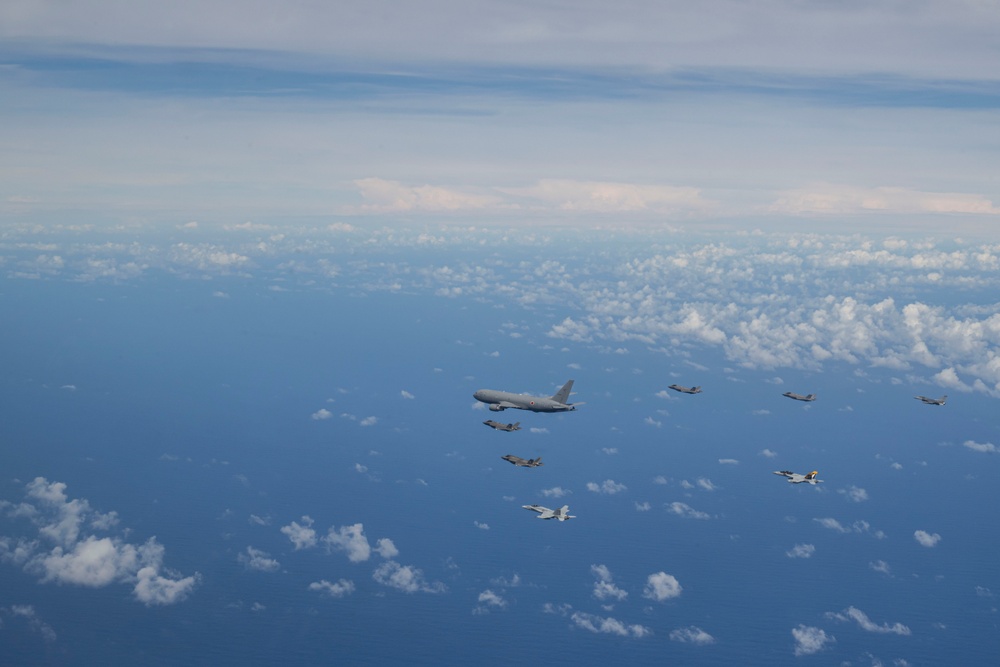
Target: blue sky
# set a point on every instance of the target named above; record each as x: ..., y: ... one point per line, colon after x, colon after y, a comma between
x: 655, y: 113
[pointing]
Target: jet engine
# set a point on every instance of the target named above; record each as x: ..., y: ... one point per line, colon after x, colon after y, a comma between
x: 496, y: 407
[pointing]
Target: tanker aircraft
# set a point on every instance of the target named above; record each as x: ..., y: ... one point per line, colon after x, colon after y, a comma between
x: 501, y: 400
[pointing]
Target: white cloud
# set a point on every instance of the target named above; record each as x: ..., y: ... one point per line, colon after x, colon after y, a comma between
x: 385, y: 548
x: 801, y: 551
x: 608, y: 625
x: 729, y: 462
x: 809, y: 640
x: 605, y: 588
x: 407, y: 395
x: 338, y: 589
x: 405, y: 578
x: 350, y: 539
x: 865, y: 623
x: 488, y: 601
x: 369, y: 421
x: 607, y: 487
x: 84, y: 559
x: 481, y: 526
x: 985, y: 447
x: 256, y: 559
x: 302, y: 536
x: 854, y: 494
x: 686, y: 511
x: 768, y: 453
x: 706, y: 484
x: 643, y: 506
x: 692, y: 635
x: 321, y: 414
x: 661, y: 586
x: 880, y: 566
x: 926, y: 539
x: 556, y: 492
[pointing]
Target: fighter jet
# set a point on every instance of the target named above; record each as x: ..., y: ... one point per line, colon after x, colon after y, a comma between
x: 516, y: 426
x: 685, y: 390
x: 796, y: 478
x: 501, y: 400
x: 932, y: 401
x: 800, y: 397
x: 522, y: 463
x: 545, y: 513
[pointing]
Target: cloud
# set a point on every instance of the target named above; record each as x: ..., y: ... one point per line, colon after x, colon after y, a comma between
x: 729, y: 462
x: 643, y: 506
x: 302, y: 536
x: 29, y: 615
x: 926, y: 539
x: 686, y: 511
x: 321, y: 414
x: 385, y: 548
x: 809, y: 640
x: 407, y: 395
x: 405, y: 578
x: 705, y: 484
x: 79, y: 557
x: 605, y: 588
x: 854, y: 494
x: 255, y: 559
x: 350, y: 539
x: 880, y: 566
x: 341, y: 588
x: 692, y: 635
x: 985, y: 447
x: 481, y: 526
x: 556, y: 492
x: 384, y: 196
x: 607, y: 487
x: 801, y: 551
x: 768, y: 453
x: 369, y: 421
x: 488, y: 601
x: 856, y: 527
x: 608, y: 625
x: 865, y: 623
x: 661, y: 586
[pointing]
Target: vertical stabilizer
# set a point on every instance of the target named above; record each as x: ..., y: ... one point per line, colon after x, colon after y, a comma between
x: 562, y: 396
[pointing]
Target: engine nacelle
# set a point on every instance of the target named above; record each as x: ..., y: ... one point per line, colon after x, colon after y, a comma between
x: 495, y: 407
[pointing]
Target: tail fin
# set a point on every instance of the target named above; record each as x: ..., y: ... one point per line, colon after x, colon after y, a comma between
x: 562, y: 396
x: 812, y: 475
x: 944, y: 399
x: 517, y: 424
x: 696, y: 388
x: 811, y: 396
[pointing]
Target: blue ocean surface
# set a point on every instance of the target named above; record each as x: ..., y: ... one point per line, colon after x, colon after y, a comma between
x: 211, y: 414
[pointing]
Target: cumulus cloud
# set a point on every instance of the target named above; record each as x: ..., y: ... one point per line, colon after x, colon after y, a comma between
x: 865, y: 623
x: 605, y: 588
x: 67, y: 552
x: 801, y: 551
x: 384, y: 196
x: 608, y: 625
x: 321, y: 414
x: 686, y: 511
x: 880, y: 566
x: 302, y: 536
x: 405, y: 578
x: 856, y: 527
x: 338, y: 589
x: 692, y: 635
x: 350, y: 539
x: 809, y: 640
x: 256, y: 559
x: 556, y: 492
x: 661, y: 586
x: 926, y: 539
x: 607, y: 487
x: 369, y: 421
x: 854, y: 494
x: 28, y: 614
x: 985, y: 447
x: 385, y: 548
x: 488, y: 601
x: 407, y: 395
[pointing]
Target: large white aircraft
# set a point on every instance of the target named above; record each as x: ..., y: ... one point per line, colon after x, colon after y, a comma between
x: 501, y: 400
x: 932, y: 401
x: 545, y: 513
x: 796, y: 478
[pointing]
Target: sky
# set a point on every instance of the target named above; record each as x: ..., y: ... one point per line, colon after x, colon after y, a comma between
x: 257, y: 257
x: 650, y: 113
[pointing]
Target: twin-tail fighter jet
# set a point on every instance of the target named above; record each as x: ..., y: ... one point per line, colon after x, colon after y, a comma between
x: 516, y: 426
x: 523, y: 463
x: 932, y: 401
x: 545, y: 513
x: 800, y: 397
x: 501, y: 400
x: 685, y: 390
x: 796, y: 478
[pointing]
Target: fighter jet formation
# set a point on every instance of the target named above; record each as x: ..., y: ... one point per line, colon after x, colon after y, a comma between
x: 523, y: 463
x: 796, y: 478
x: 501, y: 400
x: 562, y: 514
x: 516, y: 426
x: 685, y: 390
x: 932, y: 401
x: 800, y: 397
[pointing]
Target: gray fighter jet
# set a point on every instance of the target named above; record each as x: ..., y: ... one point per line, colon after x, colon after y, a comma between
x: 516, y: 426
x: 501, y: 400
x: 522, y: 463
x: 545, y: 513
x: 685, y: 390
x: 932, y: 401
x: 796, y: 478
x: 800, y: 397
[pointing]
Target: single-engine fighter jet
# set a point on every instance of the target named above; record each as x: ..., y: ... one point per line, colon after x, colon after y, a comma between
x: 796, y: 478
x: 685, y: 390
x: 501, y: 400
x: 516, y: 426
x: 932, y: 401
x: 800, y: 397
x: 545, y: 513
x: 522, y: 463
